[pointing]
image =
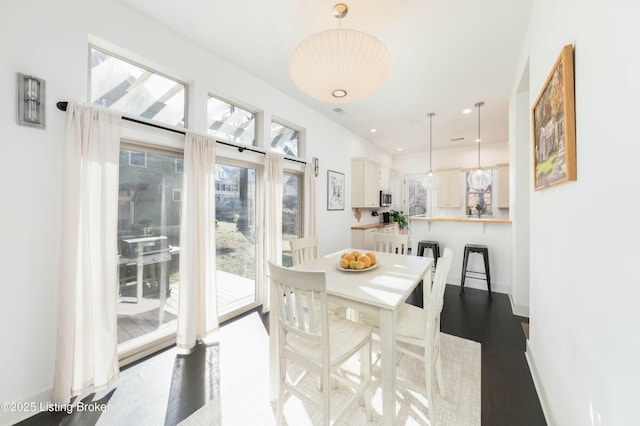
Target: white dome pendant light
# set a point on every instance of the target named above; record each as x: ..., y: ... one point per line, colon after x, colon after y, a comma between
x: 480, y: 178
x: 340, y: 65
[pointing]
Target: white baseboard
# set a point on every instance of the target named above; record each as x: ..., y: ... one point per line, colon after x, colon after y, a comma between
x: 520, y: 310
x: 23, y: 408
x: 537, y: 382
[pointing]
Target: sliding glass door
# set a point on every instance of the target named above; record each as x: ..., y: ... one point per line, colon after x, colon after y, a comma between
x: 149, y: 207
x: 236, y: 241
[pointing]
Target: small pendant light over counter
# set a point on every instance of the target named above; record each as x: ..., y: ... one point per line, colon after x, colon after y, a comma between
x: 480, y: 178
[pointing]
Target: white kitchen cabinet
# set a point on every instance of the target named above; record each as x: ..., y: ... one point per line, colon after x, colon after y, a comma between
x: 384, y: 179
x: 365, y: 183
x: 390, y: 229
x: 363, y: 238
x: 449, y: 188
x: 503, y: 186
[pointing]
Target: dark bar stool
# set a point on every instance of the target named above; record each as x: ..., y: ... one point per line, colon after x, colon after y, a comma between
x: 433, y: 246
x: 484, y: 251
x: 417, y: 294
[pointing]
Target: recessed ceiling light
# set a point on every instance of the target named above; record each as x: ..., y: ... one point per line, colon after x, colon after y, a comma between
x: 399, y: 149
x: 466, y: 111
x: 373, y: 130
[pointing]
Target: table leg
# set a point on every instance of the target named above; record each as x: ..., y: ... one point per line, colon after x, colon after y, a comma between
x: 388, y: 364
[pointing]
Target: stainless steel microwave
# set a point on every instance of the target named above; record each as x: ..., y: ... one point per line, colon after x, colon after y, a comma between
x: 385, y: 199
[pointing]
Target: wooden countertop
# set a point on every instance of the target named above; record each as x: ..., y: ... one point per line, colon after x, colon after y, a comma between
x: 458, y: 219
x: 375, y: 225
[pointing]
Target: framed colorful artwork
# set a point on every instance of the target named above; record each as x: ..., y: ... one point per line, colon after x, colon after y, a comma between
x: 554, y: 127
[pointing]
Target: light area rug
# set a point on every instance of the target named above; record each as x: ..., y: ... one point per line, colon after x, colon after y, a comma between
x: 244, y: 382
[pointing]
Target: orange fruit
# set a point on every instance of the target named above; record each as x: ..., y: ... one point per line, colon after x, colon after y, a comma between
x: 359, y: 264
x: 356, y: 254
x: 350, y: 257
x: 344, y: 263
x: 365, y: 259
x: 352, y: 264
x: 372, y: 257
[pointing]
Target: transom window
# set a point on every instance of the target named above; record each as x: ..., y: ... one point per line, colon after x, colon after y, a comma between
x: 230, y: 122
x: 131, y: 89
x: 285, y: 140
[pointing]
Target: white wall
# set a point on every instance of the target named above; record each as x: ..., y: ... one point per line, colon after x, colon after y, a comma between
x: 455, y: 235
x: 584, y: 288
x: 49, y: 40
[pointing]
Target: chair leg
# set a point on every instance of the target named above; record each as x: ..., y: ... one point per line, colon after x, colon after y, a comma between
x: 428, y: 381
x: 281, y: 393
x: 439, y: 366
x: 365, y: 367
x: 464, y: 270
x: 326, y: 398
x: 485, y: 255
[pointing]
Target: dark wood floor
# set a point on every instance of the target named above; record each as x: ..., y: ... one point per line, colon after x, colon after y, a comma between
x: 508, y: 394
x: 169, y: 387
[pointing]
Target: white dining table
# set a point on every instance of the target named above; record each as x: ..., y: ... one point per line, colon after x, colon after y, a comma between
x: 379, y: 291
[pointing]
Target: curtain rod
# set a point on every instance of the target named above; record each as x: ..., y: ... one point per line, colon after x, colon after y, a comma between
x: 62, y: 106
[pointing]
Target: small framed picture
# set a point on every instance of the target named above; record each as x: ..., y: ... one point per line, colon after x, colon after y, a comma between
x: 335, y: 190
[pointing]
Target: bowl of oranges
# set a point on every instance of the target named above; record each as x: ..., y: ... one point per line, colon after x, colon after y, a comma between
x: 356, y: 261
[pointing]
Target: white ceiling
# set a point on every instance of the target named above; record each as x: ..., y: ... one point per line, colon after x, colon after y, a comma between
x: 447, y: 55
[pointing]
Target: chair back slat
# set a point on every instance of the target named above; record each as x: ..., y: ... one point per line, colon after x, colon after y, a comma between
x: 391, y: 243
x: 304, y: 249
x: 302, y: 307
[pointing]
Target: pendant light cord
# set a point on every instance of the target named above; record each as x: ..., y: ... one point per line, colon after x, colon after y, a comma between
x: 431, y: 114
x: 479, y: 104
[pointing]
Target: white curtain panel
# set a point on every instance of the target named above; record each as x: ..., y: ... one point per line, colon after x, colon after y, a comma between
x: 273, y: 178
x: 198, y: 308
x: 309, y: 200
x: 87, y: 347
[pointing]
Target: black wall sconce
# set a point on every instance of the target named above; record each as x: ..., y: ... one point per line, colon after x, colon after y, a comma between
x: 316, y: 166
x: 31, y: 101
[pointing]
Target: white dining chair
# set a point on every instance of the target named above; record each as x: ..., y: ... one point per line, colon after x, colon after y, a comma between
x: 304, y: 249
x: 318, y: 342
x: 418, y: 332
x: 391, y: 243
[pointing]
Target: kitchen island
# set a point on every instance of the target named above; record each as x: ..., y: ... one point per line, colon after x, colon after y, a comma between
x: 456, y: 232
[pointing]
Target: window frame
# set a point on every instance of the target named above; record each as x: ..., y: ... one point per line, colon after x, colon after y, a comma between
x: 127, y: 59
x: 470, y: 191
x: 257, y: 114
x: 289, y: 125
